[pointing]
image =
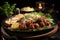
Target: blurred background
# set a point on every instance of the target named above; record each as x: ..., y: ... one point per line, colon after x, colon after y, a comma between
x: 48, y: 3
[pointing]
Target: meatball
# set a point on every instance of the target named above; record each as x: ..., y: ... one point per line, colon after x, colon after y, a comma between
x: 22, y: 26
x: 39, y: 20
x: 36, y: 25
x: 28, y: 21
x: 48, y: 24
x: 31, y: 26
x: 42, y: 24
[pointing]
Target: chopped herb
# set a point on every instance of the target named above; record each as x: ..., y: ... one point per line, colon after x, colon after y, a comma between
x: 38, y: 29
x: 7, y: 9
x: 46, y: 27
x: 48, y: 15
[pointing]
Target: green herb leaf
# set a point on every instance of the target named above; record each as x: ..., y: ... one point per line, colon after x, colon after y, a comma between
x: 1, y: 9
x: 7, y: 9
x: 6, y: 5
x: 12, y: 7
x: 38, y: 29
x: 48, y: 15
x: 46, y: 27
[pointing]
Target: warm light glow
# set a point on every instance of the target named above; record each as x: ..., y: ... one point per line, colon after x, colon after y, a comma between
x: 40, y: 6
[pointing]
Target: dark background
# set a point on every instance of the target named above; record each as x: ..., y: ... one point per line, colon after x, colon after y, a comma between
x: 21, y: 3
x: 32, y: 3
